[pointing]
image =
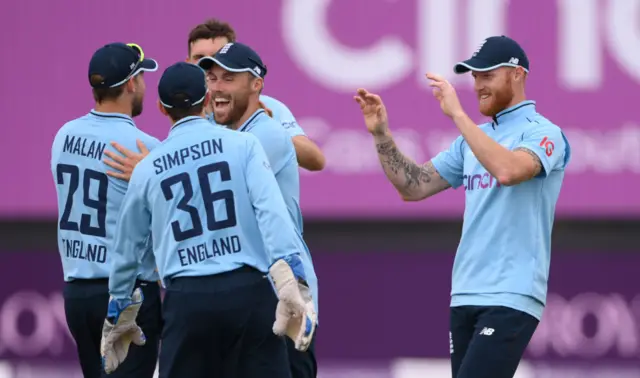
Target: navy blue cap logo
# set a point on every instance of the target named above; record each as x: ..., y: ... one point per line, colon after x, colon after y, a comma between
x: 494, y: 52
x: 236, y: 57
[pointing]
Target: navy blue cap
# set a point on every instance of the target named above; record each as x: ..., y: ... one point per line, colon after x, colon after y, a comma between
x: 236, y: 57
x: 182, y: 86
x: 494, y: 52
x: 117, y: 63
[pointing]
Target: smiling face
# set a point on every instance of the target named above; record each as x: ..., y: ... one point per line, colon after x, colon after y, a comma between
x: 232, y: 93
x: 495, y: 89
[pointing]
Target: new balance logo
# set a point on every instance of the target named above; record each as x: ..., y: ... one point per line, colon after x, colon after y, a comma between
x: 514, y: 61
x: 225, y: 48
x: 487, y: 331
x: 450, y: 343
x: 479, y: 48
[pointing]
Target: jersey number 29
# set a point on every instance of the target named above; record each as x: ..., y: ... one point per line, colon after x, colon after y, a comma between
x: 98, y: 204
x: 208, y: 199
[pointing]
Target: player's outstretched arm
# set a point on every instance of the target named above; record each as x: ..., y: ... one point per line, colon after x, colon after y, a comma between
x: 131, y: 239
x: 295, y: 314
x: 413, y: 181
x: 308, y: 154
x: 275, y: 223
x: 120, y: 328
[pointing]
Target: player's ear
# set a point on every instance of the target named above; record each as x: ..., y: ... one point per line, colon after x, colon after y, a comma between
x: 130, y: 85
x: 519, y: 74
x: 258, y: 84
x: 207, y: 100
x: 163, y: 110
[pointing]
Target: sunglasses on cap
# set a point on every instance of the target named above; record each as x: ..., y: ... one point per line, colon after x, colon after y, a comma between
x: 135, y: 69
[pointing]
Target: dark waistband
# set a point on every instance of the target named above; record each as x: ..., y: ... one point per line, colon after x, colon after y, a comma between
x: 82, y: 288
x: 99, y: 281
x: 219, y: 282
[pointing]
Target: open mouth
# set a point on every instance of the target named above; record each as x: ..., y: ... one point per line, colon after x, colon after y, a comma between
x: 221, y: 103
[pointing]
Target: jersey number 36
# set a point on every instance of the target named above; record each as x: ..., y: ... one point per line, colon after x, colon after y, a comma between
x: 208, y: 199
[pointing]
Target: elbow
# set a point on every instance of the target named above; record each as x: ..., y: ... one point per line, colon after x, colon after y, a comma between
x: 509, y: 178
x: 411, y: 197
x: 314, y: 164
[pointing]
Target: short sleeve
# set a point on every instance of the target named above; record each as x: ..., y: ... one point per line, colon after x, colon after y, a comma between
x: 274, y: 142
x: 550, y: 145
x: 283, y: 115
x: 450, y: 163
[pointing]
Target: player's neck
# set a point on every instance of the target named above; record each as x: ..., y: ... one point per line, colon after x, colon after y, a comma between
x: 113, y: 107
x: 252, y: 108
x: 517, y: 98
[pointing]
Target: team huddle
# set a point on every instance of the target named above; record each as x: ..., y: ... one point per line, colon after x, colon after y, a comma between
x: 212, y: 214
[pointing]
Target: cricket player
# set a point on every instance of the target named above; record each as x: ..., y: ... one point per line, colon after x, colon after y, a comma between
x: 89, y: 203
x: 512, y: 170
x: 236, y: 105
x: 205, y: 40
x: 219, y: 224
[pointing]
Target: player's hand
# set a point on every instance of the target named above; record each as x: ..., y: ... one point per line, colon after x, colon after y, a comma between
x: 126, y: 162
x: 120, y: 330
x: 445, y: 93
x: 267, y: 110
x: 374, y: 112
x: 295, y: 314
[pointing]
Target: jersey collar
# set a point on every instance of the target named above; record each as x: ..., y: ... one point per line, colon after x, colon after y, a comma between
x: 113, y: 116
x: 186, y: 120
x: 523, y: 109
x: 251, y: 119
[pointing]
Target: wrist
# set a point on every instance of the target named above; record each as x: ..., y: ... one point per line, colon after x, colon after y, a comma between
x: 382, y: 137
x: 458, y: 116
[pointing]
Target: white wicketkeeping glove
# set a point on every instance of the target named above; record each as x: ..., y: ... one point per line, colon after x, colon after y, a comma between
x: 120, y: 330
x: 295, y: 314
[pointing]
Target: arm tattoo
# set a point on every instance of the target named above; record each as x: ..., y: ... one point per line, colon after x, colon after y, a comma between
x: 414, y: 174
x: 536, y: 159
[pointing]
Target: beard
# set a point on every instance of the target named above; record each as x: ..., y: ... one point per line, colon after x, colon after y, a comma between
x: 234, y: 111
x: 499, y: 100
x: 136, y: 106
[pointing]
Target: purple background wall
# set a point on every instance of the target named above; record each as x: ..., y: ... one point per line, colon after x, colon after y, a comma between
x: 392, y: 306
x: 584, y: 74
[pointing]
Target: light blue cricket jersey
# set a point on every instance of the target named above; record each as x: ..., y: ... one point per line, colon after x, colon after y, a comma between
x: 505, y: 249
x: 282, y: 114
x: 213, y: 204
x: 89, y: 201
x: 282, y: 157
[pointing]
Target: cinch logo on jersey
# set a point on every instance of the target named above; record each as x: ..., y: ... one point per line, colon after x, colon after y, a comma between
x: 479, y: 181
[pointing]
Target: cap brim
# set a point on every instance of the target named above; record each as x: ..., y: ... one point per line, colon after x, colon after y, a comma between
x: 207, y: 62
x: 479, y: 65
x: 149, y: 65
x: 473, y: 64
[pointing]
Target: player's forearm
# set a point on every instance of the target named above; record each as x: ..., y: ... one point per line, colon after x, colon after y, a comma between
x: 409, y: 178
x: 497, y: 160
x: 309, y: 155
x: 122, y: 278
